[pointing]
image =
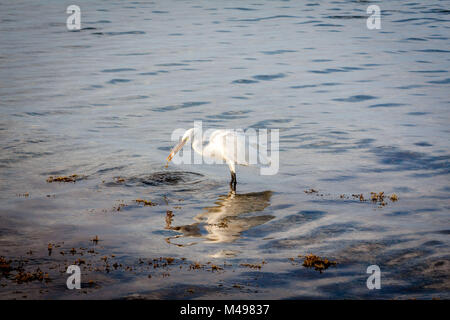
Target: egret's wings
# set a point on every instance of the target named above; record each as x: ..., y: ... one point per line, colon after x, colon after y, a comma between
x: 236, y: 147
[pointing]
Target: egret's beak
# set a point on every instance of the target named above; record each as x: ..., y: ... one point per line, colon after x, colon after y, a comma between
x: 175, y: 150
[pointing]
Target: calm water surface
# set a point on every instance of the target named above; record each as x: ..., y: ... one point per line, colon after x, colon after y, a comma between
x: 358, y: 110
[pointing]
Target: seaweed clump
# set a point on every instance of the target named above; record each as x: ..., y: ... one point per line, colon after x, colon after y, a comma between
x: 251, y: 266
x: 5, y: 266
x: 393, y: 197
x: 379, y: 198
x: 72, y: 178
x: 318, y: 263
x: 95, y: 239
x: 196, y: 266
x: 169, y: 219
x: 23, y: 276
x: 145, y: 202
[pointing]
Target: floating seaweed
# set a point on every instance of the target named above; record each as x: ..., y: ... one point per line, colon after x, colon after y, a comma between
x: 196, y: 266
x: 23, y: 276
x: 119, y: 206
x: 95, y: 240
x: 72, y: 178
x: 145, y: 202
x: 251, y: 266
x: 359, y: 196
x: 318, y: 263
x: 169, y: 219
x: 5, y: 266
x: 376, y: 197
x: 215, y: 268
x: 169, y: 260
x: 25, y: 195
x: 393, y: 197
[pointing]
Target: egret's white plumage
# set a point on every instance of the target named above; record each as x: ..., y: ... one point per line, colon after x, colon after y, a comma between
x: 231, y: 146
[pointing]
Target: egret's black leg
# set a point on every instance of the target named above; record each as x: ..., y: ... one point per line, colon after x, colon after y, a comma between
x: 233, y: 181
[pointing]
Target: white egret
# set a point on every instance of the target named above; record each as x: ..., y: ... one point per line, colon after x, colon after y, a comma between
x: 227, y: 145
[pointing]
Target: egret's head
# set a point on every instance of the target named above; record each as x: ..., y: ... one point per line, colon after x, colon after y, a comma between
x: 189, y: 134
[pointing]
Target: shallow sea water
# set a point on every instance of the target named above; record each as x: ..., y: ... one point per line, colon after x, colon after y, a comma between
x: 358, y: 110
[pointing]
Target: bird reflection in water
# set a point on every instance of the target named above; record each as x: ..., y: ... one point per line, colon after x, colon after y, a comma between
x: 224, y: 221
